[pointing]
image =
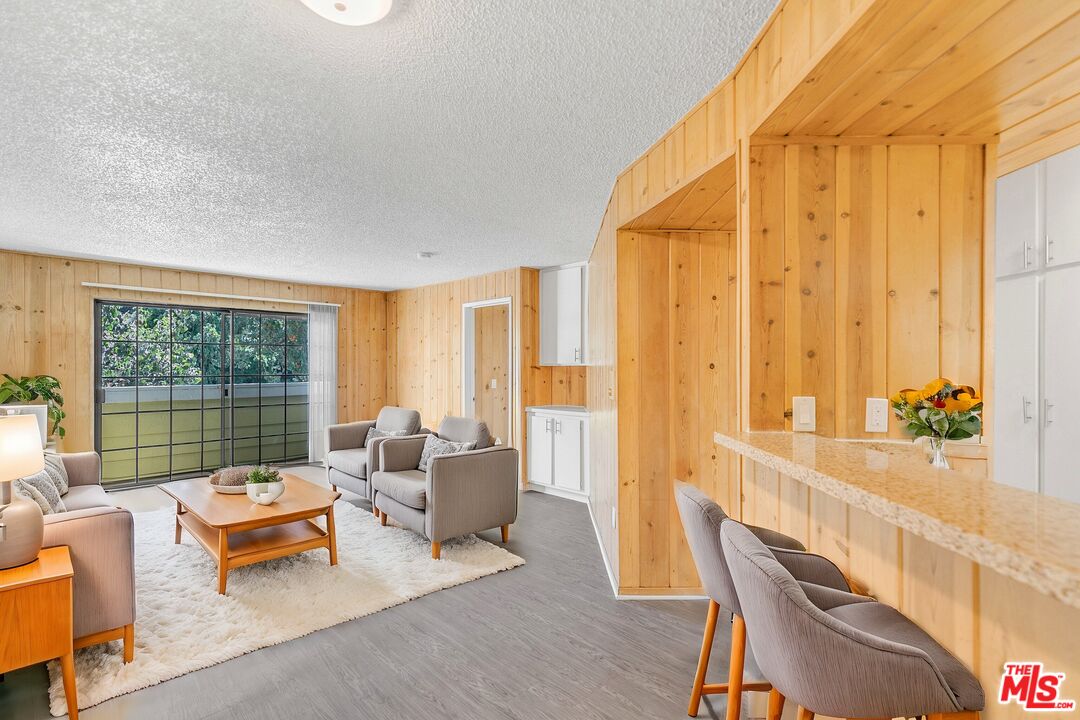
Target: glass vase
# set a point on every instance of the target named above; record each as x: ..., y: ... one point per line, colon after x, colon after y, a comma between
x: 937, y: 452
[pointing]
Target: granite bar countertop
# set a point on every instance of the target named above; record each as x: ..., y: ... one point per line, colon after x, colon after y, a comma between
x: 1023, y: 535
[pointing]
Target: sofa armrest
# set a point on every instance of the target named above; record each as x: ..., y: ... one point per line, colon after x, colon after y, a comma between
x: 471, y: 491
x: 401, y: 453
x: 347, y: 436
x: 83, y: 468
x: 102, y: 545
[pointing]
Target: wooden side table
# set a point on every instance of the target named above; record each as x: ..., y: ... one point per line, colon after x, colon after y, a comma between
x: 36, y: 614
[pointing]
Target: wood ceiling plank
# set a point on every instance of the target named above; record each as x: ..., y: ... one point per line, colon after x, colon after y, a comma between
x: 1033, y: 99
x: 721, y: 214
x: 655, y: 216
x: 989, y: 92
x: 702, y: 195
x: 1010, y: 30
x: 904, y: 51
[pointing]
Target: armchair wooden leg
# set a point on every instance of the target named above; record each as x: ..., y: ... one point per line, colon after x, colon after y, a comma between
x: 703, y: 658
x: 382, y: 519
x: 804, y: 714
x: 436, y: 550
x: 375, y: 510
x: 776, y: 705
x: 735, y: 668
x: 129, y: 643
x: 506, y: 533
x: 333, y: 487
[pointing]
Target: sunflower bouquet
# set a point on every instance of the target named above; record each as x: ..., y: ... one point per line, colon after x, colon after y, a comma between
x: 942, y: 410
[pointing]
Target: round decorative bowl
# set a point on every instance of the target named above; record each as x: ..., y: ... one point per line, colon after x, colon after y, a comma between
x: 265, y: 493
x: 229, y: 489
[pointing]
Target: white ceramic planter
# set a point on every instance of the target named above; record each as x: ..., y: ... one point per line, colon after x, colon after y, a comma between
x: 265, y: 493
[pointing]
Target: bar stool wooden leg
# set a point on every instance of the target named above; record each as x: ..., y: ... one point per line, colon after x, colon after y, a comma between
x: 804, y: 714
x: 776, y: 705
x: 963, y: 715
x: 703, y: 659
x: 735, y: 668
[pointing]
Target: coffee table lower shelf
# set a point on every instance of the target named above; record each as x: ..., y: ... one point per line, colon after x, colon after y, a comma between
x: 233, y: 549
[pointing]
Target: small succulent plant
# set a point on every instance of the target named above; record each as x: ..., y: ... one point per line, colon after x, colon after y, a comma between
x: 263, y: 474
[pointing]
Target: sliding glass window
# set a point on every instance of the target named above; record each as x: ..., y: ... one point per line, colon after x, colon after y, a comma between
x: 182, y: 391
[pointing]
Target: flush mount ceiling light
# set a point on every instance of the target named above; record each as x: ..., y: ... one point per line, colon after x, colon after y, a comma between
x: 425, y: 255
x: 350, y: 12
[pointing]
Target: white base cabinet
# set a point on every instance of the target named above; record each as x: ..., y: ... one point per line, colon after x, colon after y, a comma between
x: 558, y: 439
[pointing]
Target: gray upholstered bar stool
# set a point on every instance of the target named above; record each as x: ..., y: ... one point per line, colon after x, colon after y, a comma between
x: 702, y: 519
x: 837, y: 653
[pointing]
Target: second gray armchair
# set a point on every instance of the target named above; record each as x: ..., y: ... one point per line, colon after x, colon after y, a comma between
x: 458, y: 493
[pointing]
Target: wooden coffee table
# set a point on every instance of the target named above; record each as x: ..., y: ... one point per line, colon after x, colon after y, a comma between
x: 237, y: 532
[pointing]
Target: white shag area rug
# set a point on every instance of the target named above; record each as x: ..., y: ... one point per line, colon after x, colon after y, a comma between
x: 183, y: 624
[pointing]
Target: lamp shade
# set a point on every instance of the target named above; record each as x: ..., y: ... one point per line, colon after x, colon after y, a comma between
x: 20, y: 447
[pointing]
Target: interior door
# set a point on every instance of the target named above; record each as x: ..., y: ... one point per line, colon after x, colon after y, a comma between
x: 1063, y: 208
x: 1061, y: 384
x: 1017, y: 237
x: 1016, y: 382
x: 540, y: 449
x: 568, y: 437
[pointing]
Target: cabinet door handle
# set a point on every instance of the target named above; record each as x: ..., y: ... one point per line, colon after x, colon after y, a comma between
x: 1027, y: 409
x: 1049, y: 249
x: 577, y: 354
x: 1027, y: 252
x: 1047, y: 407
x: 547, y: 425
x: 558, y: 426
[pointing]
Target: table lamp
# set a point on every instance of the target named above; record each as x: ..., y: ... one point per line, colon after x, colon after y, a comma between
x: 21, y: 523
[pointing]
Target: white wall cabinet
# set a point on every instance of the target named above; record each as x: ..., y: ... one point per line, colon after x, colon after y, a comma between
x: 1016, y: 391
x: 563, y: 315
x: 558, y: 450
x: 1062, y: 235
x: 1037, y: 328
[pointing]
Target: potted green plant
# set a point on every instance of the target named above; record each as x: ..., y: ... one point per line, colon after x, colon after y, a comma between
x: 264, y: 485
x: 37, y: 391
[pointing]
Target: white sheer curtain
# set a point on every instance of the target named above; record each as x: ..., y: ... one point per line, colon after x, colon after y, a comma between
x: 322, y: 377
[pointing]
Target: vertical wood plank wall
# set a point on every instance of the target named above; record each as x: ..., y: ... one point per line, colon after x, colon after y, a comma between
x: 47, y: 326
x: 424, y: 349
x: 984, y: 618
x: 676, y: 375
x: 865, y: 276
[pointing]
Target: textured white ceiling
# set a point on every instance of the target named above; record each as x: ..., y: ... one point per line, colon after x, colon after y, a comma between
x: 254, y: 137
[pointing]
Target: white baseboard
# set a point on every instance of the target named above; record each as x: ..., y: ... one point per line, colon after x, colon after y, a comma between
x: 557, y: 492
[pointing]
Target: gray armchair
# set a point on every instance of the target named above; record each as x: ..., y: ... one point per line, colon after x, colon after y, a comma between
x: 101, y: 540
x: 350, y: 461
x: 460, y: 493
x: 837, y: 653
x: 702, y: 519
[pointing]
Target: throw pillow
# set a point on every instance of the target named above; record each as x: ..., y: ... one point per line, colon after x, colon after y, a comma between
x: 39, y: 487
x: 57, y: 472
x: 377, y: 433
x: 437, y: 446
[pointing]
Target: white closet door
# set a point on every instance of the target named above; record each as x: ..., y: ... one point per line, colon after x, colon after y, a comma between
x: 1017, y: 236
x: 1016, y: 382
x: 540, y: 449
x: 1063, y: 208
x: 1061, y: 384
x: 568, y: 441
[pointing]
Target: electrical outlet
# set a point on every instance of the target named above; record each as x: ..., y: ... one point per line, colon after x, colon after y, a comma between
x: 803, y: 414
x: 877, y: 415
x: 613, y: 518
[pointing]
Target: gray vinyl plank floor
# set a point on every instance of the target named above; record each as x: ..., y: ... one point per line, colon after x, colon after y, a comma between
x: 546, y: 640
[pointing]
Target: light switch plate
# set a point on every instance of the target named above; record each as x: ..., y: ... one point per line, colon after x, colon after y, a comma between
x: 877, y: 415
x: 803, y: 414
x: 494, y: 384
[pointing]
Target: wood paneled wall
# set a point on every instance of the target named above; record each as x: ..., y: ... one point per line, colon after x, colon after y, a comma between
x: 865, y: 276
x: 424, y: 349
x: 984, y: 618
x: 47, y: 326
x: 676, y: 374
